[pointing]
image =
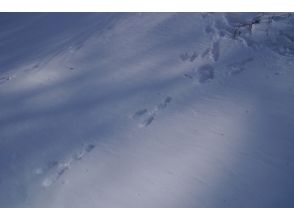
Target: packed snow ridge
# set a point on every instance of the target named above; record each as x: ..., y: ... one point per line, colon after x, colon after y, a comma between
x: 146, y: 110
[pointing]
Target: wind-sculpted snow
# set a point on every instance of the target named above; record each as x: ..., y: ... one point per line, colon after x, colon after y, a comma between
x: 146, y: 110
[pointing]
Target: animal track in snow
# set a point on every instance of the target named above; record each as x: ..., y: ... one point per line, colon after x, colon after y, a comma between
x: 90, y: 147
x: 147, y: 117
x: 193, y: 56
x: 215, y: 51
x: 205, y: 53
x: 70, y: 67
x: 186, y: 57
x: 148, y: 121
x: 56, y: 174
x: 205, y: 73
x: 4, y: 79
x: 139, y: 113
x: 165, y: 103
x: 55, y: 169
x: 188, y: 76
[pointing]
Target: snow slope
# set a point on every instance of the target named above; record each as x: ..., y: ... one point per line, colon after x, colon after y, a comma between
x: 146, y: 110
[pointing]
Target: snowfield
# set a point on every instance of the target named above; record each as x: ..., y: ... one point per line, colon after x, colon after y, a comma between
x: 146, y: 110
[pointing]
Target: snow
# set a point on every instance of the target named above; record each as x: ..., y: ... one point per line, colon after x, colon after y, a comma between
x: 146, y: 110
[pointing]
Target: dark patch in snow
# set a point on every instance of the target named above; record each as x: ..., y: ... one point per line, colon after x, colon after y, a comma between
x: 188, y: 76
x: 193, y: 56
x: 208, y: 29
x: 148, y: 121
x: 168, y: 99
x: 62, y: 171
x: 140, y: 113
x: 90, y: 147
x: 4, y: 79
x: 206, y: 73
x: 165, y: 103
x: 215, y: 51
x: 205, y: 53
x: 184, y: 57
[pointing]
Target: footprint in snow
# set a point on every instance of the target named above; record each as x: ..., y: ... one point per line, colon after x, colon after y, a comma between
x: 4, y: 79
x: 165, y: 103
x: 184, y: 57
x: 148, y: 121
x: 187, y: 57
x: 189, y: 76
x: 215, y: 51
x: 139, y: 113
x: 193, y: 56
x: 56, y: 174
x: 36, y: 66
x: 90, y: 147
x: 55, y: 170
x: 147, y: 117
x: 205, y: 53
x: 205, y: 73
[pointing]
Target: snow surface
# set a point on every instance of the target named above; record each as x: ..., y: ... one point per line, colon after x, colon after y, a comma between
x: 146, y: 110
